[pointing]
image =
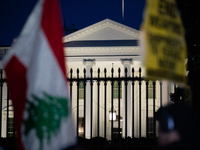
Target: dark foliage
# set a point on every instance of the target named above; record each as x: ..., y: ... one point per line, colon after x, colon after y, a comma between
x: 190, y: 14
x: 177, y: 95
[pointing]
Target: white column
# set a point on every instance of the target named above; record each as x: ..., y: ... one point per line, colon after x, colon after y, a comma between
x: 127, y: 64
x: 88, y: 63
x: 165, y: 93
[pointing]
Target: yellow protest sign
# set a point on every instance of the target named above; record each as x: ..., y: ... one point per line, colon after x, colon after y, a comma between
x: 165, y: 47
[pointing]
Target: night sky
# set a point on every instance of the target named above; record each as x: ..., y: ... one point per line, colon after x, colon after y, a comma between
x: 81, y: 13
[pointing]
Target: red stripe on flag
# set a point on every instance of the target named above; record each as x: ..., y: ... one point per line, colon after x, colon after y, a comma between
x: 17, y: 83
x: 51, y: 24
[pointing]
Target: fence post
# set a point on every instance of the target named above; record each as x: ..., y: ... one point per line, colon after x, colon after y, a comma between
x: 154, y: 104
x: 91, y: 110
x: 147, y: 104
x: 71, y: 71
x: 1, y: 86
x: 125, y: 102
x: 119, y: 103
x: 133, y: 113
x: 105, y: 84
x: 98, y: 84
x: 77, y: 101
x: 112, y: 71
x: 84, y: 71
x: 7, y: 112
x: 140, y: 102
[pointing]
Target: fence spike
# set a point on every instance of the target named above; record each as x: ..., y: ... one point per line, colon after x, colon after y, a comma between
x: 84, y: 70
x: 71, y: 71
x: 112, y: 70
x: 126, y: 70
x: 91, y: 70
x: 133, y: 70
x: 119, y: 70
x: 140, y: 70
x: 105, y: 70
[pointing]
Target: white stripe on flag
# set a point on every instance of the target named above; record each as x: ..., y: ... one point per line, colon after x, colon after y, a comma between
x: 46, y: 121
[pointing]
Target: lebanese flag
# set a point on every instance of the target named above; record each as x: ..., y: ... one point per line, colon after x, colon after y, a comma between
x: 36, y: 76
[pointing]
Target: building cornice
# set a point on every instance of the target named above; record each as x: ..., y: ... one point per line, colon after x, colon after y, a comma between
x: 100, y: 25
x: 102, y: 53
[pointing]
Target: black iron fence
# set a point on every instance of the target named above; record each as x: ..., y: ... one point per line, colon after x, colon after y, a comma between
x: 146, y: 92
x: 127, y: 82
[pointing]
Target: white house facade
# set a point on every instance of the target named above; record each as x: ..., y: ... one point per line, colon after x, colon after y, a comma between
x: 108, y: 44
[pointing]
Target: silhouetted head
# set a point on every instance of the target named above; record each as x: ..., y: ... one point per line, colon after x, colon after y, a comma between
x: 178, y: 123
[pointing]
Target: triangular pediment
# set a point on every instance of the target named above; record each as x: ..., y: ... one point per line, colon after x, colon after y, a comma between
x: 104, y: 30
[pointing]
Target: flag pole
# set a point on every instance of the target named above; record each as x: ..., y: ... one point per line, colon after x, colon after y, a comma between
x: 122, y: 11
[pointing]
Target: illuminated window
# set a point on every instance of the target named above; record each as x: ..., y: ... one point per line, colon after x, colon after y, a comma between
x: 81, y: 127
x: 115, y: 89
x: 81, y: 90
x: 150, y: 90
x: 10, y: 127
x: 151, y: 127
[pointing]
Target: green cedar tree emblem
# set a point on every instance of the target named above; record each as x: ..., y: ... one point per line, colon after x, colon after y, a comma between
x: 45, y: 115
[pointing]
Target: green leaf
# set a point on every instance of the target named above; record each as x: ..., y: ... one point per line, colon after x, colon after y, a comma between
x: 45, y: 115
